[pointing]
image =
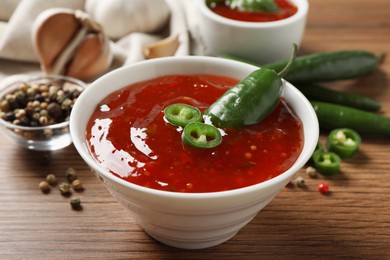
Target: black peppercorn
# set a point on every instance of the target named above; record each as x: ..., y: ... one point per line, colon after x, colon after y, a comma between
x: 54, y: 110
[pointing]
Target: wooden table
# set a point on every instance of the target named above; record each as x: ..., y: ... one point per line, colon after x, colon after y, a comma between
x: 352, y: 222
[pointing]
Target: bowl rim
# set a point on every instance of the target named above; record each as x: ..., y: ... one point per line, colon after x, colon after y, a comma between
x: 302, y: 5
x: 83, y: 150
x: 3, y: 91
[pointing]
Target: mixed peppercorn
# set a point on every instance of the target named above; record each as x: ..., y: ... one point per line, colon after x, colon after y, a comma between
x: 39, y: 103
x: 72, y: 183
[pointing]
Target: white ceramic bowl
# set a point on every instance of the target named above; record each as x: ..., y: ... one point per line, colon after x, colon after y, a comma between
x: 262, y: 42
x: 40, y: 138
x: 187, y: 220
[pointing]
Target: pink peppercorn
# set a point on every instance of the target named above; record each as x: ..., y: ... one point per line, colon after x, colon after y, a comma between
x: 323, y: 187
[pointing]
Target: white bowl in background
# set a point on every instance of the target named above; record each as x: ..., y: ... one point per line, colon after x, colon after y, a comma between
x: 261, y: 42
x: 187, y: 220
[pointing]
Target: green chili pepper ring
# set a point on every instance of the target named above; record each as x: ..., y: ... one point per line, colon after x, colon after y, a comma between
x: 182, y: 114
x: 326, y: 163
x: 200, y: 135
x: 343, y: 141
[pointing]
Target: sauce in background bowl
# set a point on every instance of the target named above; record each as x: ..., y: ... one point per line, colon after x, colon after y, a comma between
x: 261, y: 42
x: 286, y: 9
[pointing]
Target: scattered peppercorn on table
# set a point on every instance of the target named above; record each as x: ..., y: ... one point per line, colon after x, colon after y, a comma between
x: 343, y: 216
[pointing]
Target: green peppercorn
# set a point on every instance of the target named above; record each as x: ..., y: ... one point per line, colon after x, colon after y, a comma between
x: 64, y: 188
x: 300, y: 182
x: 60, y: 96
x: 311, y: 171
x: 71, y: 174
x: 75, y: 203
x: 51, y: 179
x: 67, y: 104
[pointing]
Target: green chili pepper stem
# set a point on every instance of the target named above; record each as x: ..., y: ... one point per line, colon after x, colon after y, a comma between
x: 331, y: 116
x: 290, y: 62
x: 317, y: 92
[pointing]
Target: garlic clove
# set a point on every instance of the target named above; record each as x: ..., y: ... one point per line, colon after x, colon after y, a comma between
x: 48, y: 39
x: 163, y: 48
x: 91, y: 57
x: 70, y: 43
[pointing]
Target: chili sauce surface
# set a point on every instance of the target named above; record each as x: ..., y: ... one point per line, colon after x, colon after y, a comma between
x: 129, y: 136
x: 286, y: 9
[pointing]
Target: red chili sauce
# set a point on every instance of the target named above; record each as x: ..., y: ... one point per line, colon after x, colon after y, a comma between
x: 286, y: 9
x: 128, y: 135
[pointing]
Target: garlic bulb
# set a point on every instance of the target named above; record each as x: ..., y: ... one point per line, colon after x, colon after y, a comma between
x: 68, y: 42
x: 121, y: 17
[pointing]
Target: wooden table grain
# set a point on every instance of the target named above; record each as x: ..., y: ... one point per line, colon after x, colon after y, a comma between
x: 352, y: 222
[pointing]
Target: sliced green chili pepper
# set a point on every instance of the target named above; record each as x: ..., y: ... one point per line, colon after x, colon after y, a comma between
x: 346, y: 64
x: 249, y: 5
x: 250, y: 100
x: 326, y: 163
x: 200, y: 135
x: 343, y: 141
x: 332, y: 116
x: 320, y: 93
x: 182, y: 114
x: 319, y: 148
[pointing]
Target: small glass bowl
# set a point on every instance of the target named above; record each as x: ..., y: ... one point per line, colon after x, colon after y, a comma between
x: 49, y: 137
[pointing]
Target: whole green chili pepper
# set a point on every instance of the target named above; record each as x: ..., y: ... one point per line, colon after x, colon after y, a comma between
x: 250, y: 100
x: 200, y: 135
x: 344, y: 142
x: 320, y: 93
x: 182, y: 114
x: 331, y: 116
x: 331, y: 66
x: 249, y: 5
x: 326, y: 163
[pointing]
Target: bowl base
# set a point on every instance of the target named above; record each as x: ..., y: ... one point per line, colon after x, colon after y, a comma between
x: 191, y: 244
